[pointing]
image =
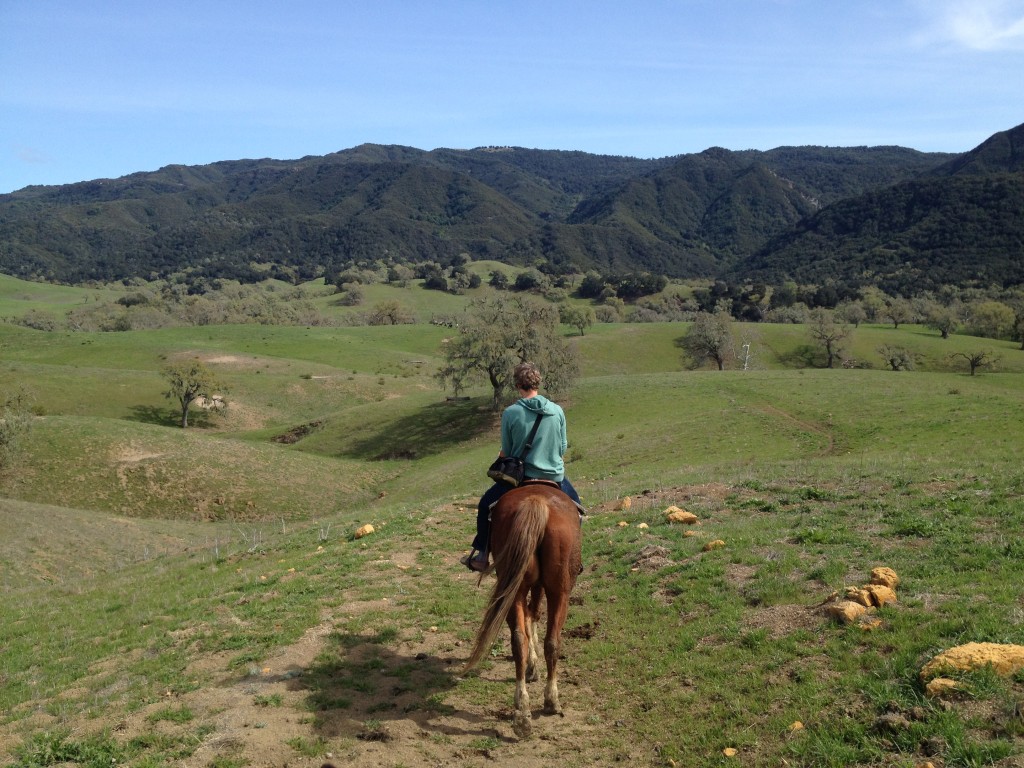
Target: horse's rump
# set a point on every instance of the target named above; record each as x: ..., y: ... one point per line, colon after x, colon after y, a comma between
x: 524, y: 522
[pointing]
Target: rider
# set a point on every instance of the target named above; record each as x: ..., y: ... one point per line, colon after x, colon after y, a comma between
x: 544, y: 460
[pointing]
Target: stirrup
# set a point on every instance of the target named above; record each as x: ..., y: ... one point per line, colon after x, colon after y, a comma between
x: 476, y: 561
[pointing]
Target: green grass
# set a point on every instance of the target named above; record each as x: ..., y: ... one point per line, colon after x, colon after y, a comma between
x: 131, y: 548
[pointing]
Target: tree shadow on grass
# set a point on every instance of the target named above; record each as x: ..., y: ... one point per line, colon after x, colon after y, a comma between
x: 168, y: 417
x: 431, y: 430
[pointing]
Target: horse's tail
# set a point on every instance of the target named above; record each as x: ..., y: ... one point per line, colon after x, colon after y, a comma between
x: 528, y: 524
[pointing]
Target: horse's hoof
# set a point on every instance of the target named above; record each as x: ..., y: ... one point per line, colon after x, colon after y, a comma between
x: 521, y: 725
x: 553, y: 709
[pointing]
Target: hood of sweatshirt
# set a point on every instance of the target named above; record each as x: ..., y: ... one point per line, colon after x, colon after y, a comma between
x: 539, y: 404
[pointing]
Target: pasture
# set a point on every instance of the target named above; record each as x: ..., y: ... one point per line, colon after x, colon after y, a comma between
x: 197, y: 597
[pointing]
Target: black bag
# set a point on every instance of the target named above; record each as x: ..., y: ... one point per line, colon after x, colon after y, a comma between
x: 507, y: 469
x: 510, y: 469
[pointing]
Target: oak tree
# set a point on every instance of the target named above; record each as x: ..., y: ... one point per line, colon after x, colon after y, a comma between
x: 187, y: 382
x: 498, y: 332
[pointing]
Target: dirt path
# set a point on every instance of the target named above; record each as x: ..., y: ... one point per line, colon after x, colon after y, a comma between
x: 331, y: 698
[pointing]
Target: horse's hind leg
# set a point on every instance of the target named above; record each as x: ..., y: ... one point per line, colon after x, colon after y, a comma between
x: 520, y: 650
x: 558, y: 606
x: 532, y: 614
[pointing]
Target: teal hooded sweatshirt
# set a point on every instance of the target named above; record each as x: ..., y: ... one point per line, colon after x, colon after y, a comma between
x: 544, y: 461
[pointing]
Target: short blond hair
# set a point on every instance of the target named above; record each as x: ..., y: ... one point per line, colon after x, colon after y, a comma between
x: 527, y: 376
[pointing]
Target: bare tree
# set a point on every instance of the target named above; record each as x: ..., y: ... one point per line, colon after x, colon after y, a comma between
x: 896, y: 357
x: 984, y: 358
x: 823, y: 328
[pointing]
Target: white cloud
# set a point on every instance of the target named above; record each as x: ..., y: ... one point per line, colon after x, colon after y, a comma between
x: 31, y: 155
x: 980, y: 25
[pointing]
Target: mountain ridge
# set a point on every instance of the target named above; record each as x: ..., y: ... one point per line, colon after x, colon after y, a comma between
x: 717, y: 213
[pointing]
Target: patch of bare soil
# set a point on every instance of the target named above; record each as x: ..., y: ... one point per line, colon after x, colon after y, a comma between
x: 345, y: 700
x: 373, y: 704
x: 782, y: 620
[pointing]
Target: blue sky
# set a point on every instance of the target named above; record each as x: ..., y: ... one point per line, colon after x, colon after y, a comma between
x: 106, y: 88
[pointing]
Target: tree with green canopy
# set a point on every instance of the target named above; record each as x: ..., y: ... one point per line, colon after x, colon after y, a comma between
x: 188, y: 381
x: 499, y: 331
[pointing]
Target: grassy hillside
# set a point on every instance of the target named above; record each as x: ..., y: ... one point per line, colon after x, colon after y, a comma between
x: 197, y: 597
x: 685, y: 216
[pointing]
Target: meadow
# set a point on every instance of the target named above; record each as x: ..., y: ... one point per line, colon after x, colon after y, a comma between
x: 197, y: 597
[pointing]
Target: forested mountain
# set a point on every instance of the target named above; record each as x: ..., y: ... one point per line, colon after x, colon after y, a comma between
x: 806, y: 213
x: 961, y: 223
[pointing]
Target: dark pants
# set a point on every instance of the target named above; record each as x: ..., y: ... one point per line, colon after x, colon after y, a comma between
x: 495, y: 492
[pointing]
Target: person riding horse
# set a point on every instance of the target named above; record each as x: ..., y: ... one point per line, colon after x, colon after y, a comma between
x: 543, y: 462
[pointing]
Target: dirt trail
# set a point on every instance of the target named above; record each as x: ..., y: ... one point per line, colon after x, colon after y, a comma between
x: 359, y: 701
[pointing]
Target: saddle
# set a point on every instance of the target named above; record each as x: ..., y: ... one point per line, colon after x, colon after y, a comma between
x: 553, y: 484
x: 541, y: 481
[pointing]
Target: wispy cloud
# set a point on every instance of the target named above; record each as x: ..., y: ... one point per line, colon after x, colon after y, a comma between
x: 980, y: 25
x: 30, y: 155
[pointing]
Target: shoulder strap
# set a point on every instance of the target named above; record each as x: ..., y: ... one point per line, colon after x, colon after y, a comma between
x: 533, y: 434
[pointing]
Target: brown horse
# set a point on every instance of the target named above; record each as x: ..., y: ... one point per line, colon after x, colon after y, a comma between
x: 535, y: 538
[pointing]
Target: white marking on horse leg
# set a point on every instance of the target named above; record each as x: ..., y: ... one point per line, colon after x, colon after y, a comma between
x: 521, y: 719
x: 552, y: 706
x: 531, y: 666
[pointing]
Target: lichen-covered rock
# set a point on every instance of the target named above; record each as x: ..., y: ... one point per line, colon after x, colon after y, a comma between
x: 1005, y: 659
x: 886, y: 577
x: 716, y: 544
x: 844, y: 611
x: 365, y: 530
x: 940, y: 686
x: 858, y: 595
x: 676, y: 515
x: 880, y: 595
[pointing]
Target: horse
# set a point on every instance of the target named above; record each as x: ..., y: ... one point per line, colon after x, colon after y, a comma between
x: 536, y: 541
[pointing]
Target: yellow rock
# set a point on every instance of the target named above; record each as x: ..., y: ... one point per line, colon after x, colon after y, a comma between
x: 642, y: 525
x: 716, y: 544
x: 676, y: 515
x: 940, y: 686
x: 845, y: 611
x: 880, y: 595
x: 886, y: 577
x: 689, y: 533
x: 729, y: 752
x: 796, y: 726
x: 366, y: 530
x: 623, y: 524
x: 1004, y: 659
x: 858, y: 595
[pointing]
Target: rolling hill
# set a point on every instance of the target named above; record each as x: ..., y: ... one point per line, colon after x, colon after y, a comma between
x: 684, y: 216
x: 961, y: 223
